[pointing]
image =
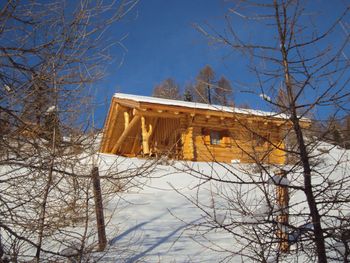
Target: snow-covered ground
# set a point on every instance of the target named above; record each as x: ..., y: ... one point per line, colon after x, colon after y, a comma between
x: 153, y: 220
x: 157, y: 219
x: 176, y: 211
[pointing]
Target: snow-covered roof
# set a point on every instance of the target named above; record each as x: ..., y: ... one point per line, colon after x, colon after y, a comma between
x: 196, y: 105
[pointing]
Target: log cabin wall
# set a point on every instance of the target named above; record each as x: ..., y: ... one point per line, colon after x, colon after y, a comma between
x: 188, y: 144
x: 227, y: 139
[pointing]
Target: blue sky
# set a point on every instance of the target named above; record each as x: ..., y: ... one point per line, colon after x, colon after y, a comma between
x: 160, y: 41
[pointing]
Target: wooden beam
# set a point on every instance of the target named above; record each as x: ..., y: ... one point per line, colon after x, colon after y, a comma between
x: 127, y: 103
x: 217, y: 113
x: 146, y: 133
x: 149, y: 113
x: 121, y: 139
x: 126, y: 119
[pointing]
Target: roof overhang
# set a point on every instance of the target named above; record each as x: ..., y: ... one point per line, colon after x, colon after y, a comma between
x: 176, y: 108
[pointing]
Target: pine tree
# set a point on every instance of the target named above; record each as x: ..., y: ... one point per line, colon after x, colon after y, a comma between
x: 188, y: 93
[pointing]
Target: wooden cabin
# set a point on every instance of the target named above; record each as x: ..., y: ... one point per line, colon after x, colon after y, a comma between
x: 148, y: 126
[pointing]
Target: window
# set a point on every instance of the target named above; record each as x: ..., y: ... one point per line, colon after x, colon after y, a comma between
x: 215, y: 137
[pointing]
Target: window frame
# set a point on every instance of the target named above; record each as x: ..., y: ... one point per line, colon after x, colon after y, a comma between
x: 215, y: 137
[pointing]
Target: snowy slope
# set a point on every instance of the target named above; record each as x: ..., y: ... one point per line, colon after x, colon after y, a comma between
x: 154, y: 221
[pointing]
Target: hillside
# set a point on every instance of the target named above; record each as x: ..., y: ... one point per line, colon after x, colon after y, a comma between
x: 174, y: 211
x: 181, y: 213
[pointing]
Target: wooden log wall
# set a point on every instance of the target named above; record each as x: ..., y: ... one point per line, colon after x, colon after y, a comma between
x: 239, y: 140
x: 188, y: 144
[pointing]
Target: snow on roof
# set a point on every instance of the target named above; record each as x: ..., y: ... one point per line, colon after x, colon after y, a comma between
x: 196, y: 105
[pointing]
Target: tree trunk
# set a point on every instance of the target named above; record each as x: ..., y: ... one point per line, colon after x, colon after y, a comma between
x: 304, y: 156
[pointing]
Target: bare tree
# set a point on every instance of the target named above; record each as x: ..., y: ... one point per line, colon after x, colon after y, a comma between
x: 223, y: 92
x: 208, y: 90
x: 50, y: 53
x: 204, y: 85
x: 168, y: 89
x: 310, y: 73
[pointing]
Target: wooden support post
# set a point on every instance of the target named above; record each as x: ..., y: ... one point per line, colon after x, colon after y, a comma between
x: 126, y: 132
x: 282, y: 219
x: 101, y: 231
x: 145, y: 135
x: 126, y: 120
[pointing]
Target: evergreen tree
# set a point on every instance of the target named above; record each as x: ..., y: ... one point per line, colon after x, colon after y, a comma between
x: 188, y: 93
